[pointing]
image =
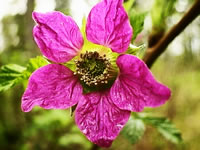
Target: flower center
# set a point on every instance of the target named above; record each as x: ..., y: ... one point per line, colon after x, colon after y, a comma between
x: 94, y: 69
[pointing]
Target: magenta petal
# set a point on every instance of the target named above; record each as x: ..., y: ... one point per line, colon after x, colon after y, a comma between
x: 99, y: 119
x: 57, y: 35
x: 136, y: 87
x: 108, y: 25
x: 52, y: 87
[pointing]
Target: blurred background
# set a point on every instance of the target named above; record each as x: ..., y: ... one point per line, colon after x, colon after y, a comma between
x: 178, y: 68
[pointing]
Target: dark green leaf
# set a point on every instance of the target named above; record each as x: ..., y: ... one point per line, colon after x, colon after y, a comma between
x: 137, y: 22
x: 13, y: 74
x: 133, y: 130
x: 10, y: 75
x: 165, y: 127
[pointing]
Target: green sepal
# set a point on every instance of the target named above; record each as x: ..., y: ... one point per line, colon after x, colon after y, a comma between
x: 71, y: 64
x: 72, y: 110
x: 136, y: 50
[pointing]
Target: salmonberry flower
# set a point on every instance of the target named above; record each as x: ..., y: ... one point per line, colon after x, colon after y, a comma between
x: 106, y: 84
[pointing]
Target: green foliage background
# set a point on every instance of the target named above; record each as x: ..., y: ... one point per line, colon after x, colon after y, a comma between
x: 55, y: 129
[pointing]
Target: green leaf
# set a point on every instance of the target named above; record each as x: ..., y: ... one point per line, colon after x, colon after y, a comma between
x: 10, y: 75
x: 165, y: 127
x: 160, y: 11
x: 127, y: 5
x: 35, y: 63
x: 137, y: 22
x: 133, y: 130
x: 13, y: 74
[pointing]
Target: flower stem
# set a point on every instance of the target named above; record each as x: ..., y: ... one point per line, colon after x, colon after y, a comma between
x: 154, y: 52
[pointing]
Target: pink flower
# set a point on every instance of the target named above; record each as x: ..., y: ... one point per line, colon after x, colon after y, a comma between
x: 118, y: 87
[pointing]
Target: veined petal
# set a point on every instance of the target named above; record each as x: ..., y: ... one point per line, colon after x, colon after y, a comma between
x: 136, y: 87
x: 57, y: 36
x: 108, y: 25
x: 52, y: 87
x: 99, y: 119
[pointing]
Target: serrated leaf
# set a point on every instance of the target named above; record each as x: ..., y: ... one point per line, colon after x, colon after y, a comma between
x: 35, y: 63
x: 137, y: 22
x: 13, y: 74
x: 133, y: 130
x: 10, y: 75
x: 165, y: 127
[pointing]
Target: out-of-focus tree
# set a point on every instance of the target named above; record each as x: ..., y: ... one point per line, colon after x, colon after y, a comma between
x: 63, y: 6
x: 17, y: 31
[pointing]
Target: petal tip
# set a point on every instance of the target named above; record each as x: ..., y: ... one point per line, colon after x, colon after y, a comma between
x: 146, y: 91
x: 168, y: 93
x: 51, y: 87
x: 24, y: 108
x: 104, y: 142
x: 35, y: 16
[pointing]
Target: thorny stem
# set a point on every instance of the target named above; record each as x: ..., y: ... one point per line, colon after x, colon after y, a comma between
x: 154, y: 52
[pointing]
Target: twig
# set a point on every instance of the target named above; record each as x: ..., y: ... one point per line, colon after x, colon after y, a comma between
x: 154, y: 52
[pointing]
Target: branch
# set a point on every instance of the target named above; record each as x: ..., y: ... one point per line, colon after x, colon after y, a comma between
x: 154, y: 52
